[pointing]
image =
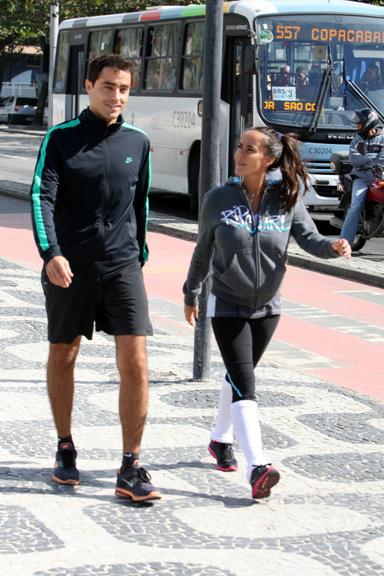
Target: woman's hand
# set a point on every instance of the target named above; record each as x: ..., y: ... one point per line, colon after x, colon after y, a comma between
x: 342, y: 247
x: 191, y: 314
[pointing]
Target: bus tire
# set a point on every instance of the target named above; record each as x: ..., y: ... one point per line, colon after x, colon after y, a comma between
x: 194, y: 180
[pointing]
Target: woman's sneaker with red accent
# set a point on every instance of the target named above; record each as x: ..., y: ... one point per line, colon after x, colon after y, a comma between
x: 263, y: 478
x: 65, y: 471
x: 224, y: 456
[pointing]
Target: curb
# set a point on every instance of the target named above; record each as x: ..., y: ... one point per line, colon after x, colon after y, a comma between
x: 19, y: 129
x: 362, y: 271
x: 14, y: 190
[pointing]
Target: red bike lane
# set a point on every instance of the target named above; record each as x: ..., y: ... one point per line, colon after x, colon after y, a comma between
x: 338, y: 320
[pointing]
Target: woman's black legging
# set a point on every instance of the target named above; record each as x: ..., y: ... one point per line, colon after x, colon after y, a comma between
x: 242, y: 342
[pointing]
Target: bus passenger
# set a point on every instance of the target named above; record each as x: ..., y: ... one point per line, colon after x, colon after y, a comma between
x: 301, y: 77
x: 371, y: 77
x: 314, y: 76
x: 168, y: 74
x: 192, y: 73
x: 89, y: 211
x: 283, y: 78
x: 154, y: 79
x: 244, y: 231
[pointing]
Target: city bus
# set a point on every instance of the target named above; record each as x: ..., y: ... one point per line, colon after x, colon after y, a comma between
x: 292, y: 65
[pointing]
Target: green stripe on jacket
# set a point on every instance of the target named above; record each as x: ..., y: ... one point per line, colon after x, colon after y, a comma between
x: 36, y: 185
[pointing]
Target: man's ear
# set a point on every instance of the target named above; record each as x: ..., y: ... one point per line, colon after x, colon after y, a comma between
x: 88, y: 86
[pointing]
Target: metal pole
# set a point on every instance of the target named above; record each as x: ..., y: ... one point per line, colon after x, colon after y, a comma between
x: 210, y: 161
x: 54, y: 30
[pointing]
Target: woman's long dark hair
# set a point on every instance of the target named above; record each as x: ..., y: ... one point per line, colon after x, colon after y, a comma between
x: 285, y: 149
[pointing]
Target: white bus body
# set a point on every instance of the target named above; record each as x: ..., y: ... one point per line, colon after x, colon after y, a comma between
x: 338, y: 40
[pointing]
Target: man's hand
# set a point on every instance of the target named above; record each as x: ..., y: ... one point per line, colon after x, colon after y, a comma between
x: 191, y: 314
x: 59, y: 271
x: 342, y: 247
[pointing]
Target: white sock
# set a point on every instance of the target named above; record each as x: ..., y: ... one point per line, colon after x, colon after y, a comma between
x: 223, y: 431
x: 247, y: 431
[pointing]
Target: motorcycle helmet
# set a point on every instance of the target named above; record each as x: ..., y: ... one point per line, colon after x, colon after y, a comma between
x: 367, y: 119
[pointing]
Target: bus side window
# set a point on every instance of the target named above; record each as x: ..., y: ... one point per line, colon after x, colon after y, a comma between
x: 129, y: 43
x: 100, y: 42
x: 192, y: 65
x: 62, y: 62
x: 161, y: 59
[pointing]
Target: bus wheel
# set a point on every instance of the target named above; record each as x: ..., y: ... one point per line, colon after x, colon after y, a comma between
x: 193, y: 181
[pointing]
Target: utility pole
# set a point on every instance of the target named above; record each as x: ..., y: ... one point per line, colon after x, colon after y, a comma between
x: 54, y: 31
x: 210, y: 162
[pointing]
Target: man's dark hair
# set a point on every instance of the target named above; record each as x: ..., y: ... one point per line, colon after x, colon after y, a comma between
x: 96, y: 66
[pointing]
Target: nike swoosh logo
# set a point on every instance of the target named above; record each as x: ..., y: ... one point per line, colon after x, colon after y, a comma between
x: 129, y: 483
x: 128, y: 160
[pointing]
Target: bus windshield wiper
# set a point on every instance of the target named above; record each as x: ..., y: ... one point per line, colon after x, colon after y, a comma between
x: 360, y: 95
x: 324, y: 85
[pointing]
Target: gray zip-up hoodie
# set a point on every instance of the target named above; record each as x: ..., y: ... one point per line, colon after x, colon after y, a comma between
x: 248, y: 259
x: 374, y: 155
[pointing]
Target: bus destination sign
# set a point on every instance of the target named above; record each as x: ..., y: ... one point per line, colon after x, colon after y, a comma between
x: 328, y: 34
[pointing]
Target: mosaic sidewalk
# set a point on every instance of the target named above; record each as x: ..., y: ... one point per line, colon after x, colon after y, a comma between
x: 325, y: 518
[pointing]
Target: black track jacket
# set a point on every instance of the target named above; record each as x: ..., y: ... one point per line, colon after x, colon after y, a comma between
x: 90, y: 194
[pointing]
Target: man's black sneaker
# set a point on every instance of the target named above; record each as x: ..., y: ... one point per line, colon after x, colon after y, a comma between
x: 135, y: 483
x: 263, y: 478
x: 224, y: 456
x: 65, y: 471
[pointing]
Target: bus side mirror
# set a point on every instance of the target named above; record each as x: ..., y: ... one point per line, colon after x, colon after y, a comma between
x: 249, y: 59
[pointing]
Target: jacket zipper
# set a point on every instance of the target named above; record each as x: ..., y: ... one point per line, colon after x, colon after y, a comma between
x: 107, y: 224
x: 257, y: 263
x: 256, y: 247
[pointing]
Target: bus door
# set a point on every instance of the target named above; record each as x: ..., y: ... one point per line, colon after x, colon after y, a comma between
x: 237, y: 85
x: 75, y: 86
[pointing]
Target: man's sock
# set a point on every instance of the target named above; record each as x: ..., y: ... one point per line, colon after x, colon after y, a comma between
x: 129, y: 458
x: 64, y: 440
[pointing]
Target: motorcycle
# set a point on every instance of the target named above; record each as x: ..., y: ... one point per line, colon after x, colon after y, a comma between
x: 371, y: 223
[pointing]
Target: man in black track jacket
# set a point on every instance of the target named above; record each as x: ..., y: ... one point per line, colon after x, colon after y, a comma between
x: 89, y: 211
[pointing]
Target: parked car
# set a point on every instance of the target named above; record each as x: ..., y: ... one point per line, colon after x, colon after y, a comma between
x: 24, y: 111
x: 18, y: 110
x: 5, y: 108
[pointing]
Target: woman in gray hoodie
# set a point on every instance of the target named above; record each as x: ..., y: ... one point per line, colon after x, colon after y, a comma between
x: 243, y: 238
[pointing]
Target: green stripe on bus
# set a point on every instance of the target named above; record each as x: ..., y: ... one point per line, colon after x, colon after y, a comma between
x: 192, y: 11
x: 36, y: 186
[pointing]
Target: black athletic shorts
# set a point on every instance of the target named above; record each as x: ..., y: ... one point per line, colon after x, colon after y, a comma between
x: 117, y: 305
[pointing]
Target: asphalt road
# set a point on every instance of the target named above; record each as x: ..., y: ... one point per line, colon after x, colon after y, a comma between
x: 18, y: 152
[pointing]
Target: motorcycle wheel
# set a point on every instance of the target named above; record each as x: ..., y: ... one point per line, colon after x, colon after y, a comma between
x: 358, y: 243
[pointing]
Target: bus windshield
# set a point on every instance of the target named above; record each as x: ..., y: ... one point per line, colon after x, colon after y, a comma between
x: 322, y: 67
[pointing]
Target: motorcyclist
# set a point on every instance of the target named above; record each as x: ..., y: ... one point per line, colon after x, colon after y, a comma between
x: 365, y: 152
